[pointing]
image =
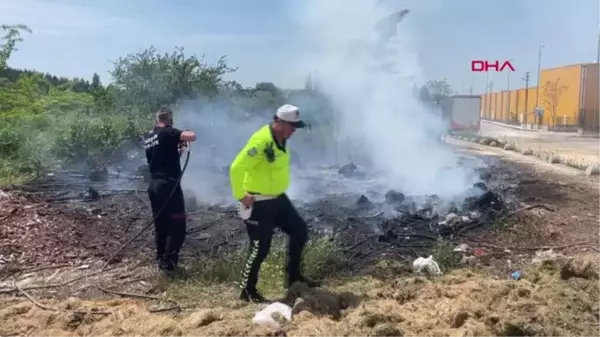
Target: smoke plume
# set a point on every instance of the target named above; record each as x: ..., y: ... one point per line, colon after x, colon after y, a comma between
x: 368, y: 65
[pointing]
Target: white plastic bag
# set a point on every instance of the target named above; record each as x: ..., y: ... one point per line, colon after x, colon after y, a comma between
x: 426, y: 264
x: 265, y: 316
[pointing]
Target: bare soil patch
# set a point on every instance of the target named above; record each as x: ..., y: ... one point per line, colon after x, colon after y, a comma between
x: 569, y: 220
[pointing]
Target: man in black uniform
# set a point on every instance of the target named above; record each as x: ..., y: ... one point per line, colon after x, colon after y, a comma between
x: 162, y: 154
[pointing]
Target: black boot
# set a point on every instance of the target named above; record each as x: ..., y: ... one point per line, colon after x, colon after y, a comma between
x: 172, y: 261
x: 252, y: 296
x: 308, y: 282
x: 165, y: 266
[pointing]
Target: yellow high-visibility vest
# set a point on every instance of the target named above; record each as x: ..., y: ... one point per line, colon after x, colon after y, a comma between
x: 260, y: 167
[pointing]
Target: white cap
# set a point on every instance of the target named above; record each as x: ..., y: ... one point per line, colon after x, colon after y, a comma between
x: 291, y: 114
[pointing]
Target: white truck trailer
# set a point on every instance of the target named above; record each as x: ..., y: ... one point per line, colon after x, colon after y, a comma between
x: 462, y: 114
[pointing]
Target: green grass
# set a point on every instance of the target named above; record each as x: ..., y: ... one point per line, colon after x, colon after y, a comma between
x: 15, y: 172
x: 444, y: 254
x: 69, y: 137
x: 321, y: 260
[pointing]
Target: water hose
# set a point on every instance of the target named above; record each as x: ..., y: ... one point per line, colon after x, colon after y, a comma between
x: 140, y: 232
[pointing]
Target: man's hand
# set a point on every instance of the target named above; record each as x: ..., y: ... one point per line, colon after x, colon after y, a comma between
x: 247, y: 200
x: 187, y: 136
x: 182, y: 147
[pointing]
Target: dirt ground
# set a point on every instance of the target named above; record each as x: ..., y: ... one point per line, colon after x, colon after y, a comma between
x: 551, y: 238
x: 571, y: 217
x: 463, y: 303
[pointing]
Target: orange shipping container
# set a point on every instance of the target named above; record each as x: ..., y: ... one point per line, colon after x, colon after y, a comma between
x: 491, y: 106
x: 531, y: 117
x: 505, y: 106
x: 498, y: 106
x: 513, y: 105
x: 483, y: 103
x: 559, y: 95
x: 569, y: 96
x: 487, y: 109
x: 520, y: 104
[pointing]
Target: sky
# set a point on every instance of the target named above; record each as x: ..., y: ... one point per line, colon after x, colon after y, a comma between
x: 262, y: 37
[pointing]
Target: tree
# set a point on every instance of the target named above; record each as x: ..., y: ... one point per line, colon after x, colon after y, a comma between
x: 424, y: 94
x: 147, y: 80
x: 435, y: 90
x: 80, y: 85
x: 553, y: 90
x: 268, y: 87
x: 9, y: 41
x: 95, y: 82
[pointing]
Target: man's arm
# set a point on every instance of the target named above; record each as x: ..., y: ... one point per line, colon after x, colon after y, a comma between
x: 247, y: 158
x: 176, y: 136
x: 187, y: 136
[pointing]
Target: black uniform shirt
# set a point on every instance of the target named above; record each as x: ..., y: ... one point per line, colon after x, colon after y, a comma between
x: 162, y: 153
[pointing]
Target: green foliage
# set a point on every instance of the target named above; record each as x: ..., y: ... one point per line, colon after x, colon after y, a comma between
x: 443, y: 252
x: 552, y: 92
x: 148, y: 80
x: 9, y: 41
x: 48, y: 121
x: 435, y: 90
x: 91, y: 137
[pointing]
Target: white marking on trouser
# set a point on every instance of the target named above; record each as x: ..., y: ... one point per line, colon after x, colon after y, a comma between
x: 249, y: 261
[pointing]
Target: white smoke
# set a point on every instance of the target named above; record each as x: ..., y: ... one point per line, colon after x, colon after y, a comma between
x: 370, y: 80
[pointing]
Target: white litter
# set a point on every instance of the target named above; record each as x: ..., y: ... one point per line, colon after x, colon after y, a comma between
x: 426, y: 264
x: 474, y: 215
x: 542, y: 256
x: 463, y: 247
x: 453, y: 219
x: 4, y: 195
x: 265, y: 316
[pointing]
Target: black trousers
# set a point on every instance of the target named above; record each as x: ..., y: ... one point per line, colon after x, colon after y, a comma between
x: 170, y: 224
x: 266, y: 215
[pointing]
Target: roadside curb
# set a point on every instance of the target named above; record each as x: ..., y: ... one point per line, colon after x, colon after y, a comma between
x: 588, y: 169
x: 509, y: 126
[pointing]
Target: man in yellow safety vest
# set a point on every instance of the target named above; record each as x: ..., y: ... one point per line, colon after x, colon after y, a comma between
x: 260, y: 175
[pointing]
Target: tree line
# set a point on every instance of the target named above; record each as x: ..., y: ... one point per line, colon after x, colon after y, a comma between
x: 48, y: 121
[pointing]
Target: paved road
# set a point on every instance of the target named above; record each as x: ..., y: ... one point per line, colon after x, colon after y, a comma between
x: 567, y: 140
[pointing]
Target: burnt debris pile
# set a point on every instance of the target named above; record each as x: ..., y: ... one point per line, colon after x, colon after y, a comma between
x: 401, y: 226
x: 72, y: 185
x: 350, y: 170
x: 77, y: 218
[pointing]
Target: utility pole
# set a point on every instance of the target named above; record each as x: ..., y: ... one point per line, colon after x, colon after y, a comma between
x: 597, y: 85
x: 539, y: 85
x: 526, y: 79
x: 508, y: 89
x: 488, y: 99
x: 487, y: 82
x: 491, y: 86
